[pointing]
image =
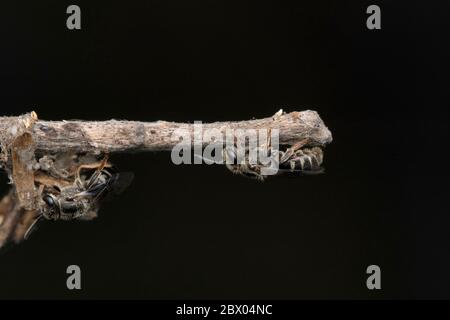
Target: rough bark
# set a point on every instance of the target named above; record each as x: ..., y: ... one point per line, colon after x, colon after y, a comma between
x: 133, y: 136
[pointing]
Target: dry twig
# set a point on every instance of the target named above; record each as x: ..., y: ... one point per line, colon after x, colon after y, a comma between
x: 32, y: 148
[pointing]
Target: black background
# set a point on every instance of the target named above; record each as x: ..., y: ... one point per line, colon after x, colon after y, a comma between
x: 201, y: 232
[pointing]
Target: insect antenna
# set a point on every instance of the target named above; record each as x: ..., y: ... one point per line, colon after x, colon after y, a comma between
x: 32, y: 227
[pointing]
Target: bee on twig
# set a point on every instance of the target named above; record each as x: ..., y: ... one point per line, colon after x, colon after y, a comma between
x: 299, y: 159
x: 80, y: 199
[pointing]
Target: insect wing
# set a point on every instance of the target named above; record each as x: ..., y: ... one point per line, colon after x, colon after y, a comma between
x: 115, y: 185
x: 120, y: 182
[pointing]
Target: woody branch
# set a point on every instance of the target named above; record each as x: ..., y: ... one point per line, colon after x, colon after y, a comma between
x: 23, y: 138
x: 133, y: 136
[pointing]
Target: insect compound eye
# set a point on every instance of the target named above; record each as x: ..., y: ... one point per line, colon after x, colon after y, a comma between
x: 49, y: 201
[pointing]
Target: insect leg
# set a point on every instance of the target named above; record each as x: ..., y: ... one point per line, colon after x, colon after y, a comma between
x: 98, y: 166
